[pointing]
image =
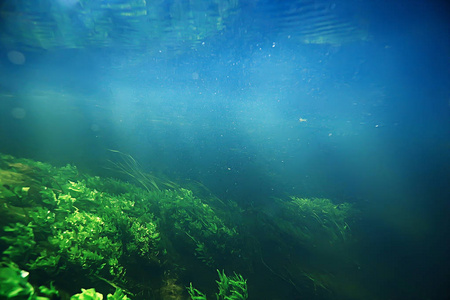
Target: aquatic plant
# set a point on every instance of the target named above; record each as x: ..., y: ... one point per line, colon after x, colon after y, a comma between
x: 330, y: 217
x: 82, y: 238
x: 198, y: 225
x: 87, y: 294
x: 145, y: 238
x: 127, y: 165
x: 92, y: 294
x: 98, y: 227
x: 60, y: 223
x: 230, y: 288
x: 118, y: 295
x: 195, y: 294
x: 312, y: 221
x: 20, y: 241
x: 14, y: 285
x: 317, y: 229
x: 49, y: 291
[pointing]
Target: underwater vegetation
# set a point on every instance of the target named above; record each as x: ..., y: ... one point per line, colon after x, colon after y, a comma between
x: 63, y: 232
x: 230, y: 288
x: 15, y: 285
x: 125, y: 164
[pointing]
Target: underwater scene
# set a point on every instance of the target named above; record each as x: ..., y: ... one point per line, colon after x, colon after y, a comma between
x: 224, y: 149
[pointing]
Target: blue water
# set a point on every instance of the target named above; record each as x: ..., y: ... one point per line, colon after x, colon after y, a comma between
x: 346, y: 100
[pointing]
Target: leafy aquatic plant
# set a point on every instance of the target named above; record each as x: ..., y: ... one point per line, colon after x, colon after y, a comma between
x: 92, y: 294
x: 230, y: 288
x: 49, y: 291
x: 87, y: 294
x: 146, y: 238
x: 63, y: 224
x: 118, y: 295
x: 198, y: 225
x: 100, y: 226
x: 20, y: 241
x: 195, y: 294
x: 14, y: 285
